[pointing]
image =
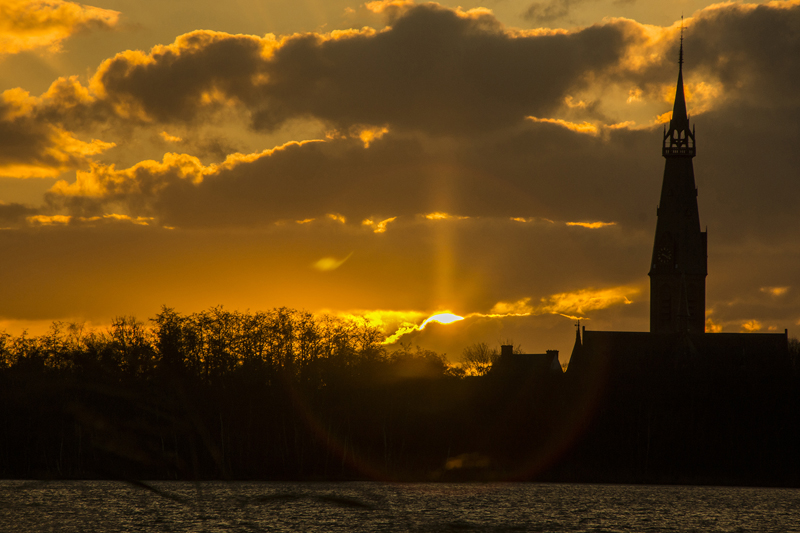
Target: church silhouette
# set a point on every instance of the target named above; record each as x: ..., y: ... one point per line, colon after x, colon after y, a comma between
x: 678, y: 270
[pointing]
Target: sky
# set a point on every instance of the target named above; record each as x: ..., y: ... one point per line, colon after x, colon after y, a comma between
x: 499, y: 161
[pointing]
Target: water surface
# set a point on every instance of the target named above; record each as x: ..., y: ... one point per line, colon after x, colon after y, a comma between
x: 88, y: 506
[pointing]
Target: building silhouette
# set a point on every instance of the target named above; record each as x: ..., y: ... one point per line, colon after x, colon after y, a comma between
x: 679, y: 265
x: 678, y: 270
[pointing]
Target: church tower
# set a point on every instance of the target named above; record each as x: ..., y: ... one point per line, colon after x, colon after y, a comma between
x: 678, y: 268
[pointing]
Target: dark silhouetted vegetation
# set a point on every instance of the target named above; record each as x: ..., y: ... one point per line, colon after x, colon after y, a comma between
x: 285, y: 394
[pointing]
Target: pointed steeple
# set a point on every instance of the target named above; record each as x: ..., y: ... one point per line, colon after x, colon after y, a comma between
x: 680, y: 119
x: 679, y: 139
x: 679, y: 265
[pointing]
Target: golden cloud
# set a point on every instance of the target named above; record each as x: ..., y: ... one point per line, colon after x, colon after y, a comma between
x: 532, y: 219
x: 571, y: 103
x: 437, y: 215
x: 149, y: 176
x: 140, y: 221
x: 712, y: 327
x: 48, y: 220
x: 634, y: 95
x: 35, y: 24
x: 751, y: 326
x: 377, y: 227
x: 36, y: 148
x: 520, y: 307
x: 170, y: 138
x: 369, y: 134
x: 60, y: 220
x: 591, y: 225
x: 775, y: 291
x: 583, y: 127
x: 393, y: 324
x: 326, y: 264
x: 579, y: 302
x: 105, y: 180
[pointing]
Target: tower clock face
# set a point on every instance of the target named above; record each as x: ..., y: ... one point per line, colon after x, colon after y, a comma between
x: 665, y: 254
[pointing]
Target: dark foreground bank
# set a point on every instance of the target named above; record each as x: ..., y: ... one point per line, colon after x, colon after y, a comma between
x: 284, y: 395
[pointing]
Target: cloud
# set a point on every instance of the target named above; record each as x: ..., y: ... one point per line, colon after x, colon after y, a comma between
x: 326, y: 264
x: 364, y: 80
x: 428, y: 136
x: 31, y: 147
x: 775, y: 291
x: 438, y: 215
x: 48, y: 220
x: 545, y: 12
x: 520, y: 307
x: 592, y: 225
x: 170, y: 138
x: 753, y: 50
x: 584, y: 300
x: 752, y: 326
x: 377, y: 226
x: 404, y: 328
x: 566, y: 304
x: 12, y: 214
x: 584, y: 127
x: 36, y: 24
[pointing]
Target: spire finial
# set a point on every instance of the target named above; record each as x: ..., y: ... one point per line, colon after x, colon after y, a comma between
x: 679, y: 138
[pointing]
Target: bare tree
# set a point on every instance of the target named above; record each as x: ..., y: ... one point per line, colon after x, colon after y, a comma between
x: 477, y: 359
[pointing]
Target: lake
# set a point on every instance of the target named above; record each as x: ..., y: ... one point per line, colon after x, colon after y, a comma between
x: 108, y: 506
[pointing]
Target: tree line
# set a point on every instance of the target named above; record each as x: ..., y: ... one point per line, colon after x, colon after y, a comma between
x: 219, y: 393
x: 285, y: 394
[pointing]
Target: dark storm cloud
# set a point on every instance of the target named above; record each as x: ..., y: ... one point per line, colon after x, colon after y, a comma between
x: 539, y: 170
x: 176, y: 82
x: 23, y: 139
x: 435, y: 69
x: 440, y: 71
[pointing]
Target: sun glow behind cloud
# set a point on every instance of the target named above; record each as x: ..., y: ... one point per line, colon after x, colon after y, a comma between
x: 406, y: 327
x: 572, y: 305
x: 456, y: 151
x: 441, y: 318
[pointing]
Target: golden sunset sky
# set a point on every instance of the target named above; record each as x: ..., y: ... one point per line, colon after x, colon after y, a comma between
x: 500, y: 161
